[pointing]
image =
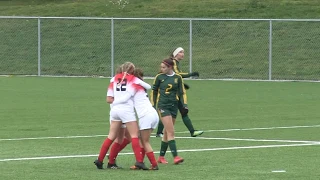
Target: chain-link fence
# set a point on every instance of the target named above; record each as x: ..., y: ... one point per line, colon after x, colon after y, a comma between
x: 217, y: 48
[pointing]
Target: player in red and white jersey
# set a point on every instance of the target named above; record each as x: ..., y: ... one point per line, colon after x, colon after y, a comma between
x: 148, y: 120
x: 147, y: 115
x: 122, y: 112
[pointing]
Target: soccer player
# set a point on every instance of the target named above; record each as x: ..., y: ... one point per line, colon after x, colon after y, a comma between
x: 148, y: 119
x: 167, y: 90
x: 177, y: 55
x: 123, y: 137
x: 122, y: 113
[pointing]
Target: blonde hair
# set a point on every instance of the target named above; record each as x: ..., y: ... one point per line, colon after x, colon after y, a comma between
x: 126, y: 68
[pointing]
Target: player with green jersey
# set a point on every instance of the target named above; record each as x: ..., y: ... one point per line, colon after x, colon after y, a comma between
x: 167, y: 90
x: 177, y: 56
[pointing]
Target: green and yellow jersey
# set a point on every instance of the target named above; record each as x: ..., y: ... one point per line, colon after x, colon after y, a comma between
x: 176, y: 69
x: 168, y: 90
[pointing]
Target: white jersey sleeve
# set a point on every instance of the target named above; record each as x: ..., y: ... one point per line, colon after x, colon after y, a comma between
x: 110, y: 91
x: 124, y: 98
x: 142, y: 83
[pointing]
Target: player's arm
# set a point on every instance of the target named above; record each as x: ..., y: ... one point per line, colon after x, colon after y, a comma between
x: 182, y: 74
x: 110, y: 93
x: 182, y: 96
x: 154, y: 91
x: 143, y: 84
x: 124, y: 98
x: 177, y: 71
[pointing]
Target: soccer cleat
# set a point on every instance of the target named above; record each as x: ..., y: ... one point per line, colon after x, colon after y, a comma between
x: 113, y: 166
x: 162, y: 160
x: 141, y: 165
x: 159, y: 135
x: 154, y: 168
x: 134, y: 168
x: 178, y: 160
x: 196, y: 133
x: 99, y: 164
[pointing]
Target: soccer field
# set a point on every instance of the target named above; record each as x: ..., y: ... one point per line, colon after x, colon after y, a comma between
x: 52, y: 128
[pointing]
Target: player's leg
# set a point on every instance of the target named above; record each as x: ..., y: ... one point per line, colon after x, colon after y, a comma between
x: 173, y: 147
x: 187, y: 122
x: 133, y: 130
x: 160, y: 130
x: 165, y: 117
x: 115, y: 149
x: 146, y: 125
x: 145, y: 140
x: 113, y: 132
x: 126, y: 140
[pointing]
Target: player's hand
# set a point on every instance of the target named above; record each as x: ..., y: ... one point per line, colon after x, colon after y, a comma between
x: 195, y: 74
x: 186, y: 86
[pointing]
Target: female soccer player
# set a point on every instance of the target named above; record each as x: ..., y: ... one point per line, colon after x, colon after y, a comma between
x: 166, y: 91
x: 122, y: 113
x: 177, y: 55
x: 147, y: 115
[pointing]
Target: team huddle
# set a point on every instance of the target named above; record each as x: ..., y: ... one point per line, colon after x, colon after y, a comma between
x: 128, y: 99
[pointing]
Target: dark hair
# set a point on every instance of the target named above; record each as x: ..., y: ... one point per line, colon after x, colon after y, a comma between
x: 168, y: 62
x: 138, y: 73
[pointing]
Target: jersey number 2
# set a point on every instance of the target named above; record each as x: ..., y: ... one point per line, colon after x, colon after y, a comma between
x: 168, y: 89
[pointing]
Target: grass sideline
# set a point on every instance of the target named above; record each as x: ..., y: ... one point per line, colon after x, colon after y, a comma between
x: 58, y: 107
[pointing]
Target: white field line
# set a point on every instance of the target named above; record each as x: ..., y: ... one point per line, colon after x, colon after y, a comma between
x: 58, y: 137
x: 186, y: 150
x: 92, y: 136
x: 253, y: 129
x: 205, y: 138
x: 253, y: 140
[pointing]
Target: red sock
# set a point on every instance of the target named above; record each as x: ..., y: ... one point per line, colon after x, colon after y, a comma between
x: 152, y: 159
x: 114, y: 153
x: 136, y: 149
x: 104, y: 149
x: 143, y: 153
x: 124, y: 143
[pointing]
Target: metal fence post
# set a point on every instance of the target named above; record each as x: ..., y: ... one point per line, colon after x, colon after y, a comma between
x: 270, y: 50
x: 112, y: 47
x: 190, y: 47
x: 39, y: 47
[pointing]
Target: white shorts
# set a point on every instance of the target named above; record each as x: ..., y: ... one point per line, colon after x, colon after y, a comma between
x: 122, y: 126
x: 149, y: 121
x: 124, y: 115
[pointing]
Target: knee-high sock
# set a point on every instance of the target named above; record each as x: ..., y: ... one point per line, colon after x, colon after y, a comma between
x: 173, y: 147
x: 143, y: 153
x: 151, y: 158
x: 115, y: 149
x: 187, y: 122
x: 136, y: 149
x: 124, y: 143
x: 163, y: 148
x: 104, y: 149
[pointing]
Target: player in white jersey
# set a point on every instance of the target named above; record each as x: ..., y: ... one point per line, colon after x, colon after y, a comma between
x: 122, y: 112
x: 148, y: 120
x: 147, y: 115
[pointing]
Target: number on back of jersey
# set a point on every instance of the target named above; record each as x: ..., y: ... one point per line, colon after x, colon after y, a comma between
x: 121, y: 85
